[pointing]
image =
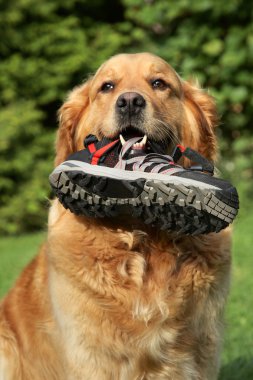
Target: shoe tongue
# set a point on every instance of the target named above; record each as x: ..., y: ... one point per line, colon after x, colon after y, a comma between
x: 112, y: 157
x: 158, y: 147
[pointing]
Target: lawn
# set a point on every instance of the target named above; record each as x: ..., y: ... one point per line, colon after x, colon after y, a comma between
x: 238, y: 345
x: 15, y: 253
x: 237, y: 360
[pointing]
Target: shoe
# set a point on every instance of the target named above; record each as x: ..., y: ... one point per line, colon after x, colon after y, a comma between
x: 113, y: 177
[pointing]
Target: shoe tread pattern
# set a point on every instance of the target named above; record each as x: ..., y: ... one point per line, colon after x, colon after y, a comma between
x: 187, y: 210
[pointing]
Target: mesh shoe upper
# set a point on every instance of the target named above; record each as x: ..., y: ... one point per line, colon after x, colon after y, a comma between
x: 111, y: 153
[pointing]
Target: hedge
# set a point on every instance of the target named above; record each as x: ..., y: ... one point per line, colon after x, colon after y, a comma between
x: 47, y: 47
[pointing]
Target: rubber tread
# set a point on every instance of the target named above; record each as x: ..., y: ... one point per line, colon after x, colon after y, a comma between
x: 187, y: 210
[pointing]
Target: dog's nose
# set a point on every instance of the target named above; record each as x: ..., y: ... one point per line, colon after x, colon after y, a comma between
x: 130, y: 103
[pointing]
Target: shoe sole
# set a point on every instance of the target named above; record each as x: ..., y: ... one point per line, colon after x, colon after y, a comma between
x: 168, y: 206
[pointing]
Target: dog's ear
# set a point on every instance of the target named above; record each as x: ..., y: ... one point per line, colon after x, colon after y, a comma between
x: 201, y: 115
x: 69, y: 116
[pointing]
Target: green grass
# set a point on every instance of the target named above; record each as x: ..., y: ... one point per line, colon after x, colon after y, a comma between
x: 15, y: 253
x: 237, y: 359
x: 238, y: 345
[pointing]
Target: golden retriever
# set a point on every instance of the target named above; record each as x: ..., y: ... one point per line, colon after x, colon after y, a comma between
x: 114, y: 299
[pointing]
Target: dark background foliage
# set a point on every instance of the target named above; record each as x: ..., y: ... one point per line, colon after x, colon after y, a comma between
x: 47, y: 47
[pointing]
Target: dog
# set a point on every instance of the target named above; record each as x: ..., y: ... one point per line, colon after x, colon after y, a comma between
x: 116, y: 299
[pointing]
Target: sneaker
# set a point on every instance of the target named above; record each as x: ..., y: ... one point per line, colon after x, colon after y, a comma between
x: 113, y: 177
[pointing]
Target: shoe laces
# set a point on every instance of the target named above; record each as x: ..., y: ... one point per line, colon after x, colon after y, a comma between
x: 138, y: 160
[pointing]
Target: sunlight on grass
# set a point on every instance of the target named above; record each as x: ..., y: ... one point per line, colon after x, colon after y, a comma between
x: 15, y: 253
x: 238, y: 344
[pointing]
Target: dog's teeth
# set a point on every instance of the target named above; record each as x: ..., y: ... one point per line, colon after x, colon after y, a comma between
x: 122, y: 140
x: 138, y: 146
x: 144, y: 140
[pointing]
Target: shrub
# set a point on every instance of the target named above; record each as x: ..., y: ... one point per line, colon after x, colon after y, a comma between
x: 48, y: 47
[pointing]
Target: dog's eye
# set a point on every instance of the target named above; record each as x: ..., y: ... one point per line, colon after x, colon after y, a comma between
x: 159, y: 84
x: 107, y: 86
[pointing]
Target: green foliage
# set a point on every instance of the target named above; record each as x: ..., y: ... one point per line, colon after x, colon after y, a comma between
x: 25, y: 161
x: 47, y: 47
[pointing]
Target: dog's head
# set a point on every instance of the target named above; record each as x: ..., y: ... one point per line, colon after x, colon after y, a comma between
x: 135, y: 95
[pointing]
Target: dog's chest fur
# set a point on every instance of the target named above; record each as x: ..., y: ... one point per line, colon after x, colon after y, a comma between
x: 127, y: 299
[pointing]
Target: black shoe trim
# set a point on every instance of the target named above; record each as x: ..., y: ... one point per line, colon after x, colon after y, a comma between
x: 187, y: 210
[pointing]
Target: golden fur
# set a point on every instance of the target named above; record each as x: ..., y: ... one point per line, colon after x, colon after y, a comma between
x: 116, y: 300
